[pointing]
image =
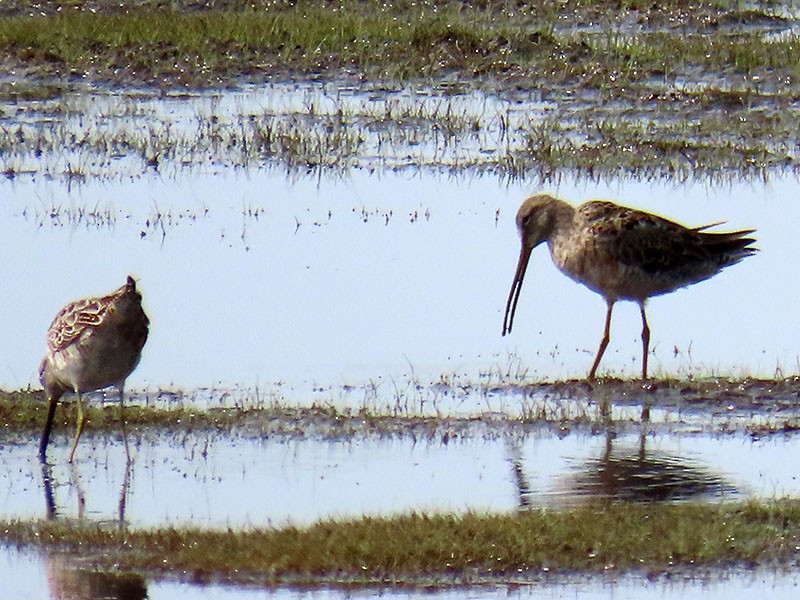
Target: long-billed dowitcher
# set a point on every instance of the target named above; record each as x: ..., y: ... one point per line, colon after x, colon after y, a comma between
x: 92, y: 344
x: 622, y: 254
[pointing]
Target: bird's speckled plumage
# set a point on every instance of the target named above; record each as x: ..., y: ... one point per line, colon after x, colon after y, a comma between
x: 91, y: 344
x: 621, y: 253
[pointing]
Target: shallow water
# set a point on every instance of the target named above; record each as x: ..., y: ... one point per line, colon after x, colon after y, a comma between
x: 350, y: 282
x: 27, y: 576
x: 190, y: 479
x: 299, y: 126
x: 298, y: 286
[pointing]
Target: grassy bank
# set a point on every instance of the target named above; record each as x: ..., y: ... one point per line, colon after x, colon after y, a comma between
x: 443, y: 548
x: 203, y: 43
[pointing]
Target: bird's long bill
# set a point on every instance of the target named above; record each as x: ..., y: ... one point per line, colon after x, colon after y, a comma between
x: 513, y: 295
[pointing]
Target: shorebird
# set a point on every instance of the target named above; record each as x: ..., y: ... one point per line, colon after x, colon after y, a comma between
x: 92, y: 344
x: 622, y: 254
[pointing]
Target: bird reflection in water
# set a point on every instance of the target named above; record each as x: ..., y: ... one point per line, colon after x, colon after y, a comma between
x: 626, y: 475
x: 642, y: 476
x: 70, y: 579
x: 521, y: 482
x: 67, y: 580
x: 49, y: 486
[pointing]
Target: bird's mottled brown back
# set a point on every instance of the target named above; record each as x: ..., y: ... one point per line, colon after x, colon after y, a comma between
x: 92, y: 344
x: 660, y: 246
x: 79, y: 317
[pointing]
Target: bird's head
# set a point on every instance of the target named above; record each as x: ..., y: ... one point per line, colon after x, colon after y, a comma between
x: 536, y: 221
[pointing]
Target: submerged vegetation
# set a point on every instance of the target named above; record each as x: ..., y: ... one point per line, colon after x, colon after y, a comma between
x: 681, y: 90
x: 443, y: 549
x: 449, y: 408
x: 327, y: 128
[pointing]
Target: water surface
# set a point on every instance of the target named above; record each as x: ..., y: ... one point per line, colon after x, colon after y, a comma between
x: 186, y: 479
x: 28, y: 576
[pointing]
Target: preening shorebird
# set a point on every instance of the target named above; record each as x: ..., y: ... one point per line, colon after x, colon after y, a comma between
x: 92, y: 344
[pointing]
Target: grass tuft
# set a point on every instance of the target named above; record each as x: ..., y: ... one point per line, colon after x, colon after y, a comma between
x: 464, y: 548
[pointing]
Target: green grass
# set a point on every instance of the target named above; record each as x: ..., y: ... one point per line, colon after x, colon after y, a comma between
x: 539, y: 42
x: 444, y: 548
x: 27, y: 410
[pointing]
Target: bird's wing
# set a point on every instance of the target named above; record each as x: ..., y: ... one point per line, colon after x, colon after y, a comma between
x: 76, y: 319
x: 644, y: 240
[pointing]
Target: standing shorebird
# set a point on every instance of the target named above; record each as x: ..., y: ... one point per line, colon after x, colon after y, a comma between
x: 92, y: 344
x: 622, y: 254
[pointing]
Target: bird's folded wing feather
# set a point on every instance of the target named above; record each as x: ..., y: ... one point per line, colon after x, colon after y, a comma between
x: 648, y: 241
x: 74, y: 320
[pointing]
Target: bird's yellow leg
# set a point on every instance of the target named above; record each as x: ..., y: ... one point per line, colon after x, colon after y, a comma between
x: 81, y: 423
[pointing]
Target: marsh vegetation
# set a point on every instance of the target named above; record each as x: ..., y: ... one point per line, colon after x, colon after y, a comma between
x: 680, y: 91
x: 444, y: 549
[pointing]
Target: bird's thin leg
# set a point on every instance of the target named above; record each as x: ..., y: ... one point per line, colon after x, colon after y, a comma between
x: 645, y: 353
x: 81, y: 423
x: 47, y: 484
x: 48, y: 424
x: 604, y: 341
x: 645, y: 340
x: 121, y: 387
